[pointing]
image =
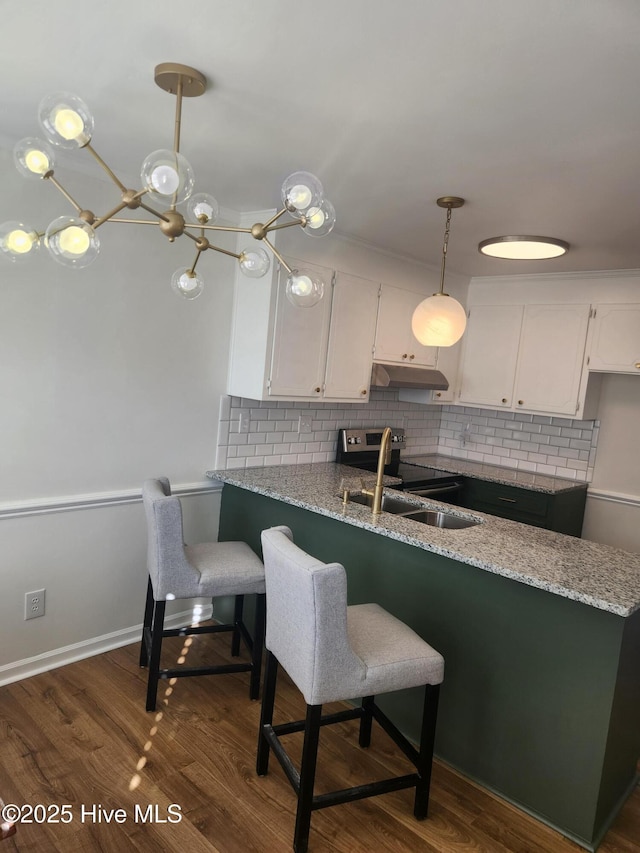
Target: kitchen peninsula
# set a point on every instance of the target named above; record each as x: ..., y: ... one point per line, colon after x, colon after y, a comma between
x: 540, y: 633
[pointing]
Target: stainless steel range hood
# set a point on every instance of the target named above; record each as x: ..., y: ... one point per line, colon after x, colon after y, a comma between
x: 401, y: 376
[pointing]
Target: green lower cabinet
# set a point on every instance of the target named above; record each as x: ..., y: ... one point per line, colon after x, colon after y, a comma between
x: 562, y: 512
x: 541, y: 697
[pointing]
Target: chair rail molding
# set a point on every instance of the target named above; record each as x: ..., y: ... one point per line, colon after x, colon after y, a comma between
x: 94, y: 500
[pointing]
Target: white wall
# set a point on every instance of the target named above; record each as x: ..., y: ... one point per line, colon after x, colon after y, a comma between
x: 106, y: 378
x: 613, y: 504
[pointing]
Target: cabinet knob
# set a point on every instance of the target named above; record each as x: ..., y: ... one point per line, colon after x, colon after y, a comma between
x: 521, y: 402
x: 504, y: 399
x: 404, y: 355
x: 364, y: 392
x: 317, y: 390
x: 638, y: 364
x: 438, y: 393
x: 411, y: 356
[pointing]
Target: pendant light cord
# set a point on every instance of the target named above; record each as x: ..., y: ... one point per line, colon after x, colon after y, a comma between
x: 445, y: 245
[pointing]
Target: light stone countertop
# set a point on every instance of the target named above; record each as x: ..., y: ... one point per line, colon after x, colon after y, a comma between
x: 597, y: 575
x: 496, y: 473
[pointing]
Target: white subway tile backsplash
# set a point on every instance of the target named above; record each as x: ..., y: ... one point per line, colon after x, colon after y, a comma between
x: 540, y: 443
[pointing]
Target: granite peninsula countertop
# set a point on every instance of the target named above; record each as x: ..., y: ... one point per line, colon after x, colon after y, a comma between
x: 496, y: 473
x: 597, y: 575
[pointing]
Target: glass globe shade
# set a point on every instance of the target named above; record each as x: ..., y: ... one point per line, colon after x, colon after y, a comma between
x: 320, y: 220
x: 17, y: 241
x: 300, y: 191
x: 167, y: 175
x: 439, y: 321
x: 65, y: 120
x: 254, y: 262
x: 72, y: 242
x: 187, y: 284
x: 33, y: 157
x: 304, y: 289
x: 203, y: 208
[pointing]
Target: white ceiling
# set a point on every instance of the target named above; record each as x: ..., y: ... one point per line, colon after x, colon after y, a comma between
x: 526, y: 108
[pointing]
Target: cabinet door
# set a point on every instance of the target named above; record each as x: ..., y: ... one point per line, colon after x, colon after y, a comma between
x: 615, y: 346
x: 395, y: 341
x: 490, y: 354
x: 300, y: 338
x: 551, y: 356
x: 354, y: 309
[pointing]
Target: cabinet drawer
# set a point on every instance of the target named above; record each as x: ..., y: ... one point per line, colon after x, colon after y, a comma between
x: 507, y: 501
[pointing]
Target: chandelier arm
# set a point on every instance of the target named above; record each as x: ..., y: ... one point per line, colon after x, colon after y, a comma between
x: 108, y: 216
x: 191, y: 272
x: 135, y: 221
x: 154, y: 212
x: 278, y: 255
x: 111, y: 174
x: 286, y: 225
x: 224, y: 251
x: 58, y: 185
x: 269, y: 222
x: 221, y: 228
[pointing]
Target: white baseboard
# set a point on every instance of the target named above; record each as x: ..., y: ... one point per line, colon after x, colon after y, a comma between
x: 27, y: 667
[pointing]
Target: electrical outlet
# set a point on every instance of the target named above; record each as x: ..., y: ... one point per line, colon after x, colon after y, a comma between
x: 244, y: 423
x: 304, y: 423
x: 34, y: 604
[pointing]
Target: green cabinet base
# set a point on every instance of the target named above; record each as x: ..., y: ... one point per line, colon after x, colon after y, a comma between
x: 562, y: 512
x: 541, y: 697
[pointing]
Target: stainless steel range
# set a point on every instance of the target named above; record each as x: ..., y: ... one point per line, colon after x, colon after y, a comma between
x: 359, y: 448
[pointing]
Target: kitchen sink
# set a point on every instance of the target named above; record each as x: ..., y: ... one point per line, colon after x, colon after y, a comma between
x: 435, y: 518
x: 390, y: 503
x: 399, y: 506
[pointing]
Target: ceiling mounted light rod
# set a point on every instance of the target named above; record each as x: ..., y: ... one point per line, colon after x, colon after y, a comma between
x: 440, y: 320
x: 168, y: 178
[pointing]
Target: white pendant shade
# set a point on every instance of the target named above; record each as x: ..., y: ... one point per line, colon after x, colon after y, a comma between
x: 439, y: 321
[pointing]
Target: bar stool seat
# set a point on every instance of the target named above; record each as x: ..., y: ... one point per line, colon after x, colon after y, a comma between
x: 334, y: 652
x: 205, y: 569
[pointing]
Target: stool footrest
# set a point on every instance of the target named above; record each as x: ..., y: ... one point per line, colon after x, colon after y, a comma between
x: 204, y: 670
x: 395, y: 734
x: 361, y: 792
x: 326, y: 720
x: 187, y: 630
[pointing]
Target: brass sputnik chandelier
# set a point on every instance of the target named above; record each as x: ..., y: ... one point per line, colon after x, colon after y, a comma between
x: 167, y: 179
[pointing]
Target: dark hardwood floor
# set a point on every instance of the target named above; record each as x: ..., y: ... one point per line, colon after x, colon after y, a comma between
x: 79, y: 736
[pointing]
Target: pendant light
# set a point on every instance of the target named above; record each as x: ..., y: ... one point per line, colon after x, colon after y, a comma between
x: 440, y: 320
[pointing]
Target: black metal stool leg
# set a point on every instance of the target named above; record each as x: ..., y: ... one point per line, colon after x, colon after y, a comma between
x: 366, y: 719
x: 157, y: 628
x: 146, y: 624
x: 258, y: 644
x: 307, y: 778
x: 237, y: 621
x: 425, y: 760
x: 266, y: 712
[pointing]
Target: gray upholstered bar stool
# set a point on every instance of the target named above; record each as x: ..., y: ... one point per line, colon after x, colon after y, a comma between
x: 333, y: 652
x: 208, y: 570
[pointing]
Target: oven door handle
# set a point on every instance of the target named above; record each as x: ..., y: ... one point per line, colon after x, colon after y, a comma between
x: 423, y: 492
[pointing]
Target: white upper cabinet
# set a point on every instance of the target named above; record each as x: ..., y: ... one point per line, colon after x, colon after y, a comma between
x: 283, y: 352
x: 300, y: 339
x: 490, y: 353
x: 527, y: 358
x: 615, y: 340
x: 354, y: 310
x: 395, y: 342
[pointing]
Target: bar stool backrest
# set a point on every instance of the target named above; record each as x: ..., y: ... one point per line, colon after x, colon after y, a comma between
x: 307, y: 620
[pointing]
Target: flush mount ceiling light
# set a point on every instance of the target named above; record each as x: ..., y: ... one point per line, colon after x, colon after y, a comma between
x: 440, y: 320
x: 523, y: 248
x: 167, y: 180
